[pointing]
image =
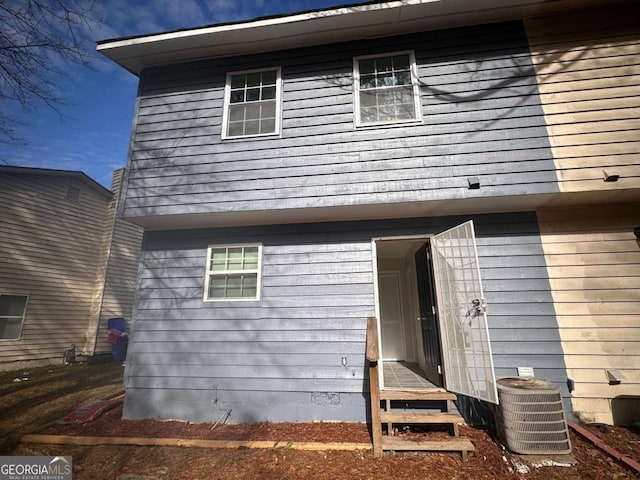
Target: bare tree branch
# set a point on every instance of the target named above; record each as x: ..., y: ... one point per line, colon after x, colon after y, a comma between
x: 38, y: 40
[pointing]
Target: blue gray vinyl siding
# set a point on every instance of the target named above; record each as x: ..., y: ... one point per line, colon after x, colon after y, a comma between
x: 481, y: 117
x: 280, y: 358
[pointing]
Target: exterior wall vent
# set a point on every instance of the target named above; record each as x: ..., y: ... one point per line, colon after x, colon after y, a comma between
x: 530, y: 417
x: 73, y: 194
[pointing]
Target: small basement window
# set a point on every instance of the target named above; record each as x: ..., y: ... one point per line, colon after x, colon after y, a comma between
x: 233, y: 272
x: 252, y: 103
x: 386, y: 89
x: 12, y: 311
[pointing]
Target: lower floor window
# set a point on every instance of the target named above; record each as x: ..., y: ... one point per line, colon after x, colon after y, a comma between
x: 12, y: 312
x: 233, y: 272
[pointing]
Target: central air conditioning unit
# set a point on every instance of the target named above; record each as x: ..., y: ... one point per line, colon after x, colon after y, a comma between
x: 530, y: 417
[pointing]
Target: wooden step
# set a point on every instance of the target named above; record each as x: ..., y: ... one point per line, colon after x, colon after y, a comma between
x: 461, y: 445
x: 411, y: 417
x: 416, y: 395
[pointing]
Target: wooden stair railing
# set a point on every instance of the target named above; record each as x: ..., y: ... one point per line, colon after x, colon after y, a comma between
x: 389, y: 417
x: 372, y: 356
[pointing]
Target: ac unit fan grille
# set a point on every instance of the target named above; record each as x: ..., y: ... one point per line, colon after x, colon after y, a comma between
x: 530, y: 418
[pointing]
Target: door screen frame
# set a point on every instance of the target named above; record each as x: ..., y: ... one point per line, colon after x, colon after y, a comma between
x: 482, y: 331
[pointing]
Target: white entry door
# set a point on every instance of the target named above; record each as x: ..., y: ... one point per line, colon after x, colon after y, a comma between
x: 391, y: 324
x: 466, y: 349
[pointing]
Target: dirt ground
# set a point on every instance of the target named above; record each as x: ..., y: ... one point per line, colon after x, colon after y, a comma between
x: 33, y: 397
x: 25, y: 408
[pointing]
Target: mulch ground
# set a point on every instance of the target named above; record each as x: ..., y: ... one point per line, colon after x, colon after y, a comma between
x: 625, y: 440
x: 489, y: 461
x: 50, y: 393
x: 111, y: 425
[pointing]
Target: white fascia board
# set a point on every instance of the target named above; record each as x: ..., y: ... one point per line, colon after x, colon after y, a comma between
x: 311, y: 28
x: 256, y: 24
x: 319, y: 27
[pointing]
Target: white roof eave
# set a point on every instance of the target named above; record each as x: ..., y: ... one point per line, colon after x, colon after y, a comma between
x: 316, y: 28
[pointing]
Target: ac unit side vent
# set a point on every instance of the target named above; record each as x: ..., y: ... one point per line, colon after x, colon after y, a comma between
x: 530, y: 417
x: 537, y: 417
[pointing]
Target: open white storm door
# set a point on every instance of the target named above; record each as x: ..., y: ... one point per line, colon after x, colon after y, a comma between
x: 466, y: 350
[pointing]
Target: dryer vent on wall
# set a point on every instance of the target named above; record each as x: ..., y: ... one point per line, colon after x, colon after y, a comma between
x: 530, y: 417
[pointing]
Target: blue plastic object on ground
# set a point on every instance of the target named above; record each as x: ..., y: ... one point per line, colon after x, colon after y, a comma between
x: 117, y: 323
x: 119, y: 341
x: 119, y: 350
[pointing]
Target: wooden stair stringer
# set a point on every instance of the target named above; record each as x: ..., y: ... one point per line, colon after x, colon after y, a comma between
x: 399, y: 443
x: 377, y: 395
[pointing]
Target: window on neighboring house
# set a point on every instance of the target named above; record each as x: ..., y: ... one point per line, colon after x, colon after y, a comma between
x: 12, y: 311
x: 252, y: 103
x: 233, y: 272
x: 386, y: 89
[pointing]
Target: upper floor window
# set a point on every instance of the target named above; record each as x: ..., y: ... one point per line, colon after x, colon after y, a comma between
x: 252, y: 103
x: 386, y: 89
x: 12, y: 311
x: 233, y: 272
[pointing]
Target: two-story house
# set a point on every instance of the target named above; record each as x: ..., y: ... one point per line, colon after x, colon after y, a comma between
x: 298, y: 174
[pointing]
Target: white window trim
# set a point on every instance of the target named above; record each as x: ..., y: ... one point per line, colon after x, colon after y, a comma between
x: 414, y: 83
x: 227, y: 101
x: 24, y: 314
x: 208, y: 273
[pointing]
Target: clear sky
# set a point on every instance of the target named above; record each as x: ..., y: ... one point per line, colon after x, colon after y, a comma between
x: 94, y: 135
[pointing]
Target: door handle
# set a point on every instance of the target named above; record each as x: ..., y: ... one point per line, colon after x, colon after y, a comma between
x: 478, y: 307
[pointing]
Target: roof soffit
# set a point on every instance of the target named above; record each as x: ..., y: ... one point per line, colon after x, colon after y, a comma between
x: 320, y: 27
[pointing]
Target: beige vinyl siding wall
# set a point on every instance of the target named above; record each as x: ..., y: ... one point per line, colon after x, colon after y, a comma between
x: 122, y: 269
x: 593, y: 261
x: 587, y: 65
x: 52, y: 249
